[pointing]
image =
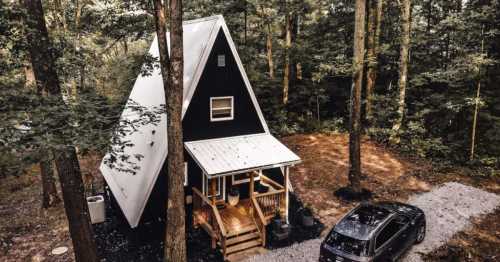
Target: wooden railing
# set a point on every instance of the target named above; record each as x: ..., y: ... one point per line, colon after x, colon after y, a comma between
x: 259, y: 220
x: 208, y: 216
x: 271, y: 202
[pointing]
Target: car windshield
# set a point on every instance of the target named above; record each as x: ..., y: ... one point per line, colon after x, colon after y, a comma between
x: 347, y: 244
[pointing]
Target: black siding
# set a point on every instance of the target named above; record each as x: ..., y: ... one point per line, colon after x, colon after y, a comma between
x: 220, y: 81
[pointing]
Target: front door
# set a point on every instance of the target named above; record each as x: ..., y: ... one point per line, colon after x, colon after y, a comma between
x: 220, y: 187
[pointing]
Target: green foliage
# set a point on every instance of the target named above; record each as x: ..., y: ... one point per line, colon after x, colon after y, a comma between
x: 99, y: 59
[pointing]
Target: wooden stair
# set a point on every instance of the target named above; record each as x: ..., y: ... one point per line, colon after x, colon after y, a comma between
x: 242, y: 241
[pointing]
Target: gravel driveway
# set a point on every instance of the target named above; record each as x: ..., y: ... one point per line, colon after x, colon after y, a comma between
x: 448, y: 209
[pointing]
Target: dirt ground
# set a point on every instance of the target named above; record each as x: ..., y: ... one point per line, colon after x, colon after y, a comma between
x: 325, y: 166
x: 28, y: 233
x: 388, y: 175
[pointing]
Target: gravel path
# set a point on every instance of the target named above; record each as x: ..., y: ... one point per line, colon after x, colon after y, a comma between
x: 448, y: 210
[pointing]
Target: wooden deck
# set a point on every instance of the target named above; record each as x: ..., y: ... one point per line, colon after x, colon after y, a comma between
x: 238, y: 218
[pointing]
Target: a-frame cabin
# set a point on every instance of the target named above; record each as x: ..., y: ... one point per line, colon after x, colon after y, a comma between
x: 227, y: 143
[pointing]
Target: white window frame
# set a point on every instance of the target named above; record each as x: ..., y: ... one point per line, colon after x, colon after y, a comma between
x: 221, y: 60
x: 220, y: 182
x: 244, y: 180
x: 185, y: 173
x: 231, y: 117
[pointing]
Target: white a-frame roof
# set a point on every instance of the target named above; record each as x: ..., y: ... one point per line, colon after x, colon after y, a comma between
x: 132, y: 191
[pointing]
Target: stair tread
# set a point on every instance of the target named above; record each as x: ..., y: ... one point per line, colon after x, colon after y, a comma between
x: 243, y: 246
x: 242, y: 238
x: 243, y: 230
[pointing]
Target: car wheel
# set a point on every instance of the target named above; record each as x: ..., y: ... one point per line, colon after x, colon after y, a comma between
x: 420, y: 233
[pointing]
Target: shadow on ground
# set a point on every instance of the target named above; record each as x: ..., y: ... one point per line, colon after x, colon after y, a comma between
x: 116, y: 241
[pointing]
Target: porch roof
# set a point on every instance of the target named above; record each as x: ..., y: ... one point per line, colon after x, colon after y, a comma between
x: 239, y: 154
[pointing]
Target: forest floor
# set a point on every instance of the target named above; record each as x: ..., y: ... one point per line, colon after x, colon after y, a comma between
x: 28, y: 233
x: 387, y: 174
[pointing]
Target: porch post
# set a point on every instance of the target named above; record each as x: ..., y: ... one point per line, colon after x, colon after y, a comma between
x: 251, y: 185
x: 287, y: 171
x: 213, y: 189
x: 213, y: 186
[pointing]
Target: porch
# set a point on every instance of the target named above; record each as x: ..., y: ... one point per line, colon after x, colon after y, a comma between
x: 237, y: 225
x: 242, y: 226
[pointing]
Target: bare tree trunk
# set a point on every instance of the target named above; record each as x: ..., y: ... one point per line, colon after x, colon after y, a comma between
x: 172, y: 73
x: 30, y: 75
x: 60, y: 14
x: 355, y: 111
x: 288, y: 45
x: 294, y: 33
x: 476, y: 107
x: 80, y: 4
x: 269, y: 46
x: 246, y: 22
x: 374, y: 26
x: 403, y: 68
x: 266, y: 25
x: 161, y: 32
x: 49, y: 191
x: 175, y: 244
x: 66, y: 159
x: 75, y: 205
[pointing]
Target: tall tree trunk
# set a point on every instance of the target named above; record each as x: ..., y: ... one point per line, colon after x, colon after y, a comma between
x: 246, y: 22
x: 176, y: 228
x: 29, y: 75
x: 172, y: 73
x: 428, y: 26
x: 269, y: 46
x: 66, y: 159
x: 60, y: 14
x: 49, y: 191
x: 403, y: 68
x: 266, y: 25
x: 374, y: 26
x: 294, y: 33
x: 476, y: 106
x: 355, y: 110
x: 288, y: 45
x: 80, y: 4
x: 161, y: 33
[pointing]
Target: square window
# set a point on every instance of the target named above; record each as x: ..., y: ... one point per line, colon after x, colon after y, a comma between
x: 221, y: 108
x: 244, y: 178
x: 221, y: 60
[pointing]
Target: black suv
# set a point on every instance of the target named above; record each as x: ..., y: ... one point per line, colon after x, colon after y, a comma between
x: 380, y: 231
